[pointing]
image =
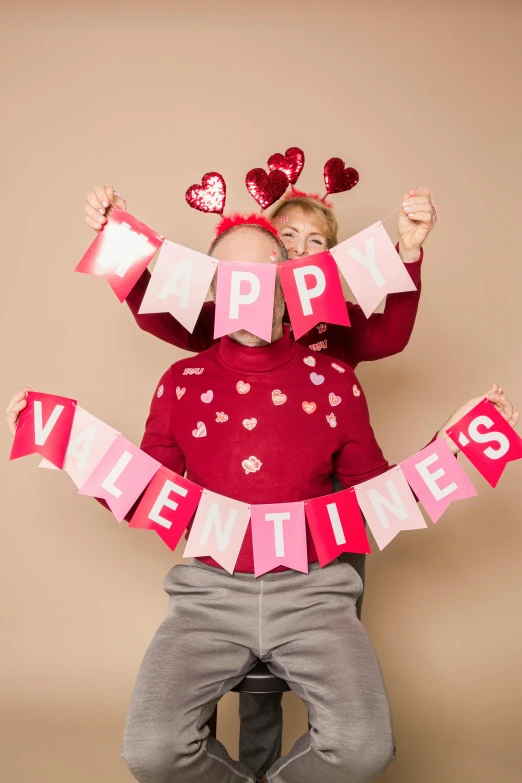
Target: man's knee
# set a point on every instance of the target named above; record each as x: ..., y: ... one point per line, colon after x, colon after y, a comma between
x: 361, y: 755
x: 156, y: 761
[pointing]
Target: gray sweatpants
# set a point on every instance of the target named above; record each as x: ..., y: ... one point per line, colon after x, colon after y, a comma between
x: 305, y: 628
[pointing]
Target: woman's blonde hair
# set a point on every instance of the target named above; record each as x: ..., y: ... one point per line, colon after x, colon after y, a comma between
x: 313, y: 207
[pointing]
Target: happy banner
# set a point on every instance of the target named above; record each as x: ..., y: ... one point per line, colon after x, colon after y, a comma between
x: 105, y: 465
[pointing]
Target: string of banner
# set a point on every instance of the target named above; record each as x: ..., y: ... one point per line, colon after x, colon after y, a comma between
x: 103, y: 464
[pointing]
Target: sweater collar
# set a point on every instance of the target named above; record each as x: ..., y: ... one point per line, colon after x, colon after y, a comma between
x: 259, y: 359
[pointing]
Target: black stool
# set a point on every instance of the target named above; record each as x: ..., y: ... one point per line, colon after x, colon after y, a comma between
x: 258, y: 680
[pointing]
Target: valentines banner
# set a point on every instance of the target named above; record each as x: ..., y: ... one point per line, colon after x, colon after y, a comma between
x: 179, y: 284
x: 313, y: 292
x: 167, y: 506
x: 121, y: 252
x: 336, y: 525
x: 218, y: 530
x: 388, y: 506
x: 90, y: 439
x: 44, y: 427
x: 372, y: 267
x: 279, y: 537
x: 120, y: 477
x: 484, y: 425
x: 437, y: 478
x: 245, y: 298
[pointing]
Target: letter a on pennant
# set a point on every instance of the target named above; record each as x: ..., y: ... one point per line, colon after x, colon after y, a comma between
x: 372, y: 267
x: 313, y: 292
x: 279, y: 537
x: 218, y: 529
x: 245, y: 298
x: 167, y: 506
x: 336, y: 525
x: 44, y: 427
x: 487, y: 440
x: 121, y: 252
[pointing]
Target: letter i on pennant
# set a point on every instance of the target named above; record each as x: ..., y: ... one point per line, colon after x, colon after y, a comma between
x: 336, y: 525
x: 44, y: 427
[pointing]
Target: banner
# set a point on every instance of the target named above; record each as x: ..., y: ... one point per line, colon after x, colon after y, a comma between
x: 121, y: 252
x: 245, y: 298
x: 372, y: 267
x: 336, y: 525
x: 44, y: 427
x: 120, y: 477
x: 167, y: 506
x: 218, y: 529
x: 313, y: 292
x: 179, y: 284
x: 90, y: 439
x: 388, y: 506
x: 487, y: 440
x: 279, y: 537
x: 437, y: 478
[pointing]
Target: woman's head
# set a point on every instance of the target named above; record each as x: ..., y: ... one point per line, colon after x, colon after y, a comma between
x: 306, y: 226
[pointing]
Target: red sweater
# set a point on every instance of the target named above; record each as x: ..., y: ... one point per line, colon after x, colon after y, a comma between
x: 298, y: 451
x: 380, y: 335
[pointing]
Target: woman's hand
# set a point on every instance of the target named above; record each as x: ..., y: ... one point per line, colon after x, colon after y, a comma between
x: 416, y: 220
x: 500, y: 401
x: 15, y: 407
x: 100, y: 203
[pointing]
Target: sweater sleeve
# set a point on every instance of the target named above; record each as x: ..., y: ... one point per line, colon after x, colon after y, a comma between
x: 387, y: 333
x: 157, y: 440
x: 164, y: 325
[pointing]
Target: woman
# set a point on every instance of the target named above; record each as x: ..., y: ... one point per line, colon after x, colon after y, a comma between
x: 306, y: 225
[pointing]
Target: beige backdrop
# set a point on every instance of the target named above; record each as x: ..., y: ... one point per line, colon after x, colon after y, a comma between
x: 150, y: 96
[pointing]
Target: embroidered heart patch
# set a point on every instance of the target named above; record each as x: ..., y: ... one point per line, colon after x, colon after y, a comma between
x: 334, y: 399
x: 207, y: 396
x: 316, y: 379
x: 220, y: 416
x: 243, y: 388
x: 356, y: 391
x: 309, y: 407
x: 278, y: 398
x: 337, y: 367
x: 310, y: 361
x: 251, y: 464
x: 321, y: 328
x: 160, y: 391
x: 332, y: 421
x: 249, y: 424
x: 180, y: 392
x: 201, y: 430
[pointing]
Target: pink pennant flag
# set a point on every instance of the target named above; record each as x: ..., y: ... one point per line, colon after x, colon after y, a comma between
x: 279, y: 537
x: 372, y: 267
x: 121, y: 252
x: 90, y: 439
x: 218, y: 530
x: 313, y: 292
x: 437, y: 478
x: 44, y: 427
x: 245, y: 298
x: 167, y: 506
x: 121, y: 476
x: 336, y: 525
x: 388, y: 506
x: 179, y: 283
x: 487, y: 440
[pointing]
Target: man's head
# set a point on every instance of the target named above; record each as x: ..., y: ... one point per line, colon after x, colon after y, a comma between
x: 254, y: 244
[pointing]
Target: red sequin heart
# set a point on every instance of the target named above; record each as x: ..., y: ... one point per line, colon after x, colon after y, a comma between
x: 291, y: 163
x: 266, y: 188
x: 337, y: 178
x: 210, y: 196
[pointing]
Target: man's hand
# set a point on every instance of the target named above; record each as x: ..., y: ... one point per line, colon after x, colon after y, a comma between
x: 100, y: 203
x: 500, y: 401
x: 416, y: 220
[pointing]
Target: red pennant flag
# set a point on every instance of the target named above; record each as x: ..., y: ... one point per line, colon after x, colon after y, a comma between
x: 167, y: 506
x: 44, y: 427
x: 121, y: 252
x: 487, y: 440
x: 336, y: 525
x: 313, y: 292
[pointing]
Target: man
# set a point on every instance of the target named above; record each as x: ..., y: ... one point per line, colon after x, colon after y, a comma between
x: 303, y: 625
